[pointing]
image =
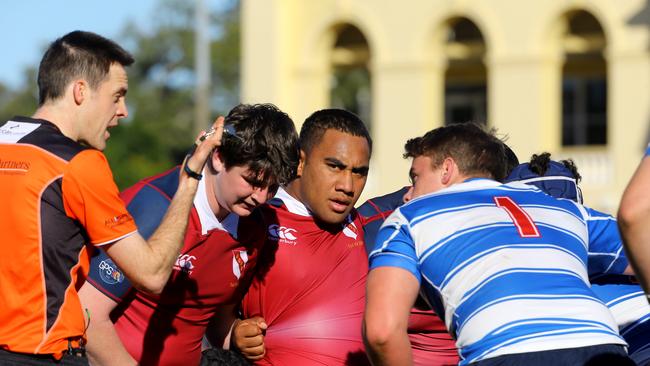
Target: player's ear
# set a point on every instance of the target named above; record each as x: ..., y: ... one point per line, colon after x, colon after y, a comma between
x: 447, y: 171
x: 301, y: 163
x: 79, y: 90
x: 217, y: 161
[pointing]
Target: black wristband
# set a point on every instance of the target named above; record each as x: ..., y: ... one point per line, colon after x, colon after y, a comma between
x: 190, y: 173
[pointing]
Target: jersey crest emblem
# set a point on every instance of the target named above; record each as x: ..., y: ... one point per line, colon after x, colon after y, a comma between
x: 350, y: 230
x: 239, y: 260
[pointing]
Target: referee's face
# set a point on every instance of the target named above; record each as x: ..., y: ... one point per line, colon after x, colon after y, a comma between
x: 103, y: 107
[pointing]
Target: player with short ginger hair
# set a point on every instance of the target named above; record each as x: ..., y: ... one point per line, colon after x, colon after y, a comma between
x: 504, y: 265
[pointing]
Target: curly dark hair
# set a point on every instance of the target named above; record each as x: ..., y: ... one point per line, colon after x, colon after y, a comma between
x: 539, y: 165
x: 222, y: 357
x: 266, y: 141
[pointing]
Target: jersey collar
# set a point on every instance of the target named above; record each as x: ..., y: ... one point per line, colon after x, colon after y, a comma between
x: 292, y: 204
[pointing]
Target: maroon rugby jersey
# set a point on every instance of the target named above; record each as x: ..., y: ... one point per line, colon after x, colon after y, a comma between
x: 210, y: 275
x: 310, y: 288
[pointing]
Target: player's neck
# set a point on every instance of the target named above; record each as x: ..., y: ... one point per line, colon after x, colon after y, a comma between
x: 56, y: 114
x: 219, y: 212
x: 293, y: 189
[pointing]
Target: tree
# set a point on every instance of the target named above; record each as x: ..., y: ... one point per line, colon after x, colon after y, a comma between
x: 157, y: 133
x: 20, y: 101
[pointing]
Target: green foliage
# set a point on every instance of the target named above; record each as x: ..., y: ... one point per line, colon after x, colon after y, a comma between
x: 161, y: 89
x: 20, y: 102
x: 158, y: 131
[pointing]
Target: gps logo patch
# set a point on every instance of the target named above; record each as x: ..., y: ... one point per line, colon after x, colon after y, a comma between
x: 109, y: 272
x: 283, y: 234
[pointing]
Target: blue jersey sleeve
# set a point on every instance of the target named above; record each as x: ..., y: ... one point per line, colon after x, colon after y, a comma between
x: 375, y: 210
x: 647, y: 150
x: 394, y: 246
x: 606, y: 255
x: 148, y: 206
x: 107, y: 277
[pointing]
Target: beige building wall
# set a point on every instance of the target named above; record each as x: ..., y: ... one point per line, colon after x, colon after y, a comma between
x: 287, y: 47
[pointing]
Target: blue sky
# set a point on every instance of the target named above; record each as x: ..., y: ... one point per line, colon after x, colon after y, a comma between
x: 28, y: 26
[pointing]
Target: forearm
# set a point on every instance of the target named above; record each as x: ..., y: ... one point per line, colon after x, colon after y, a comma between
x: 637, y: 245
x: 220, y: 328
x: 167, y: 241
x: 634, y: 223
x: 104, y: 346
x: 395, y: 350
x: 147, y: 264
x: 390, y: 294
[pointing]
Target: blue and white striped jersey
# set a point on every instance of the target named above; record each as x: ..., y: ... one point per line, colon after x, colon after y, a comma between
x: 505, y: 266
x: 631, y: 310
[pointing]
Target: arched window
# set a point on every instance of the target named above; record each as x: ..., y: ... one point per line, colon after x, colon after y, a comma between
x: 465, y: 76
x: 350, y: 81
x: 584, y: 81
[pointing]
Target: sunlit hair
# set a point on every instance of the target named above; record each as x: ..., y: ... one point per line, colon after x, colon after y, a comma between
x: 266, y: 142
x: 476, y: 150
x: 78, y: 54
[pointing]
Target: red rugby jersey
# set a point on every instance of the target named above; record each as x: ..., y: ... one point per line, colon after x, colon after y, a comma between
x: 310, y: 288
x: 211, y: 274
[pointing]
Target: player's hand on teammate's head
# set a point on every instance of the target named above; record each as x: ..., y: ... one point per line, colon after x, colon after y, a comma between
x: 205, y: 143
x: 248, y: 337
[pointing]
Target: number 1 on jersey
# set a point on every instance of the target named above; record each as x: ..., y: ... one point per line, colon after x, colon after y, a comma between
x: 524, y: 223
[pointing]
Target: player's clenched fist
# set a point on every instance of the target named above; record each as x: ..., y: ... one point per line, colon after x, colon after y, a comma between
x: 248, y: 337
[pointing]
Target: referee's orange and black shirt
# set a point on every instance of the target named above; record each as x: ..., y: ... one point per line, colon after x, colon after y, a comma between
x: 58, y: 198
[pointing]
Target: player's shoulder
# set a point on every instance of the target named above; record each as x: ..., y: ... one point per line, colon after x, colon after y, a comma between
x: 43, y: 134
x: 160, y: 186
x: 382, y: 204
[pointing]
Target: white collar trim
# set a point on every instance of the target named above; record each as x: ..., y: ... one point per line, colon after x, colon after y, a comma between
x: 293, y: 205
